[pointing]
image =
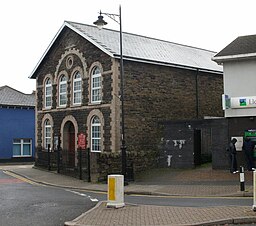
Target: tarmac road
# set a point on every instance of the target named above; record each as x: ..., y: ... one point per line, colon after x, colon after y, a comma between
x: 182, y: 201
x: 26, y: 203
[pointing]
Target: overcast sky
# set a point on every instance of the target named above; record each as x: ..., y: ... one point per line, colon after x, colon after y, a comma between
x: 28, y: 26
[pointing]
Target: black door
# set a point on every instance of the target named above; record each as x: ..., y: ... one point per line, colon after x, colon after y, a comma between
x: 197, y: 147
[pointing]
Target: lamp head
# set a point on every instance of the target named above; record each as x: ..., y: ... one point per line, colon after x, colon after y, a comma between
x: 100, y: 22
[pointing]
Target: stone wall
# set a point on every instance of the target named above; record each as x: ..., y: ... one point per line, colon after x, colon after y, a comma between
x: 152, y: 94
x: 155, y: 94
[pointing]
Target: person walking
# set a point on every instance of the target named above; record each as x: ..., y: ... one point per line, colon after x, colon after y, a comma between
x: 232, y: 156
x: 248, y: 147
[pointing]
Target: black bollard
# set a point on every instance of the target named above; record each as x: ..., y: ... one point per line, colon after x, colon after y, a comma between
x: 49, y: 157
x: 242, y: 187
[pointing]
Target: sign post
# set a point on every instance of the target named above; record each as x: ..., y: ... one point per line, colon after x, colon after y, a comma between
x: 81, y: 146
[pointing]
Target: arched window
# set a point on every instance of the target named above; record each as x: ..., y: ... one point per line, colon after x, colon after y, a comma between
x: 96, y: 85
x: 63, y: 91
x: 48, y: 93
x: 77, y: 88
x: 95, y: 134
x: 47, y: 133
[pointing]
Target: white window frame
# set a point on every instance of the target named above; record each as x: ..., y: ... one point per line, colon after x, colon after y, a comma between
x: 63, y: 91
x: 97, y: 132
x: 77, y: 93
x: 23, y: 142
x: 48, y: 93
x: 96, y: 86
x: 47, y: 134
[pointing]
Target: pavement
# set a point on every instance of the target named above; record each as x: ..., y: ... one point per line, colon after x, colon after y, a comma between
x: 199, y: 182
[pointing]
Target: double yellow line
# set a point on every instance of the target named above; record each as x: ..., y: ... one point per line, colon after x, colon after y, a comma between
x: 20, y: 178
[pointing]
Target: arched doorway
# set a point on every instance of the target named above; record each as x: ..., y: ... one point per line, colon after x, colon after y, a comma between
x: 69, y: 140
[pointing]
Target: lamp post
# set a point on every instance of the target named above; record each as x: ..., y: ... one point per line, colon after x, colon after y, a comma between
x: 100, y: 23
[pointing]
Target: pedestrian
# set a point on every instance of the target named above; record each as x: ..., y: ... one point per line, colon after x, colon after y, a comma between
x: 248, y: 148
x: 232, y: 156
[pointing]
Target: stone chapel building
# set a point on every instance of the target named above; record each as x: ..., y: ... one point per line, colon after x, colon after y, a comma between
x: 78, y: 89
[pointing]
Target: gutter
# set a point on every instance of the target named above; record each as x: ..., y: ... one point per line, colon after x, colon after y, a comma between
x: 187, y: 67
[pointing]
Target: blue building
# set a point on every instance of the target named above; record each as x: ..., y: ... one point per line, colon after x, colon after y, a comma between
x: 17, y: 133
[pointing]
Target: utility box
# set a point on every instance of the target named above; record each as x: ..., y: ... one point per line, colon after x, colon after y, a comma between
x: 115, y: 191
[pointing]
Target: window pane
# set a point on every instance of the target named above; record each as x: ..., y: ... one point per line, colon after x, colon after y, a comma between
x: 77, y: 85
x: 77, y: 88
x: 16, y: 149
x: 96, y: 82
x: 17, y: 141
x: 47, y: 134
x: 48, y: 90
x: 27, y: 141
x: 96, y: 145
x: 63, y: 88
x: 96, y: 85
x: 96, y: 120
x: 96, y: 70
x: 77, y: 98
x: 96, y: 95
x: 96, y: 134
x: 63, y: 91
x: 63, y: 99
x: 48, y: 93
x: 26, y: 149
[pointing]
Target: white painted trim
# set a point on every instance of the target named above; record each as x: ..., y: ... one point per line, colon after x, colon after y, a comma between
x: 233, y: 57
x: 66, y: 24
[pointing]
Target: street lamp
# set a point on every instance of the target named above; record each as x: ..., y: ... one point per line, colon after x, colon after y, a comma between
x: 100, y: 23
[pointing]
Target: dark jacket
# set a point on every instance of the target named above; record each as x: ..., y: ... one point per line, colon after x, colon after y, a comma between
x: 232, y: 148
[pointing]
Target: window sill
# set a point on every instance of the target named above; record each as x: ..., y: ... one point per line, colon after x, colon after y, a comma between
x: 47, y: 109
x: 76, y: 105
x: 95, y: 103
x: 21, y: 156
x: 61, y: 107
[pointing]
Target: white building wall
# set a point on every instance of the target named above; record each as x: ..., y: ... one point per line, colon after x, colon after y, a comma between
x: 240, y: 81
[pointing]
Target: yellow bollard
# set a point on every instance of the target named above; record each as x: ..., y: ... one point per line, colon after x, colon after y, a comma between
x: 115, y: 191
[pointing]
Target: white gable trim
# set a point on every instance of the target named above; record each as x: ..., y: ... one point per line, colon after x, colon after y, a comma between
x: 66, y: 24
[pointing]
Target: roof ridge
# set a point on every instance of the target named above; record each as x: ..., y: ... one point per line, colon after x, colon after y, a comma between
x: 144, y: 36
x: 6, y: 86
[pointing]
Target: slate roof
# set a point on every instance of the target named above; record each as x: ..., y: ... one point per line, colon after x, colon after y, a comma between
x: 241, y: 47
x: 143, y: 49
x: 13, y: 97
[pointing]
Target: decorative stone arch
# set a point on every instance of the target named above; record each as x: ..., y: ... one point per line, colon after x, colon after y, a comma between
x: 64, y: 121
x: 98, y: 64
x: 46, y: 77
x: 95, y: 64
x: 47, y: 117
x: 56, y: 78
x: 79, y: 55
x: 95, y: 112
x: 68, y: 134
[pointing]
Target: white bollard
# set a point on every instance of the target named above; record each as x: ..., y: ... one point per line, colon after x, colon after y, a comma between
x: 254, y: 191
x: 115, y: 191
